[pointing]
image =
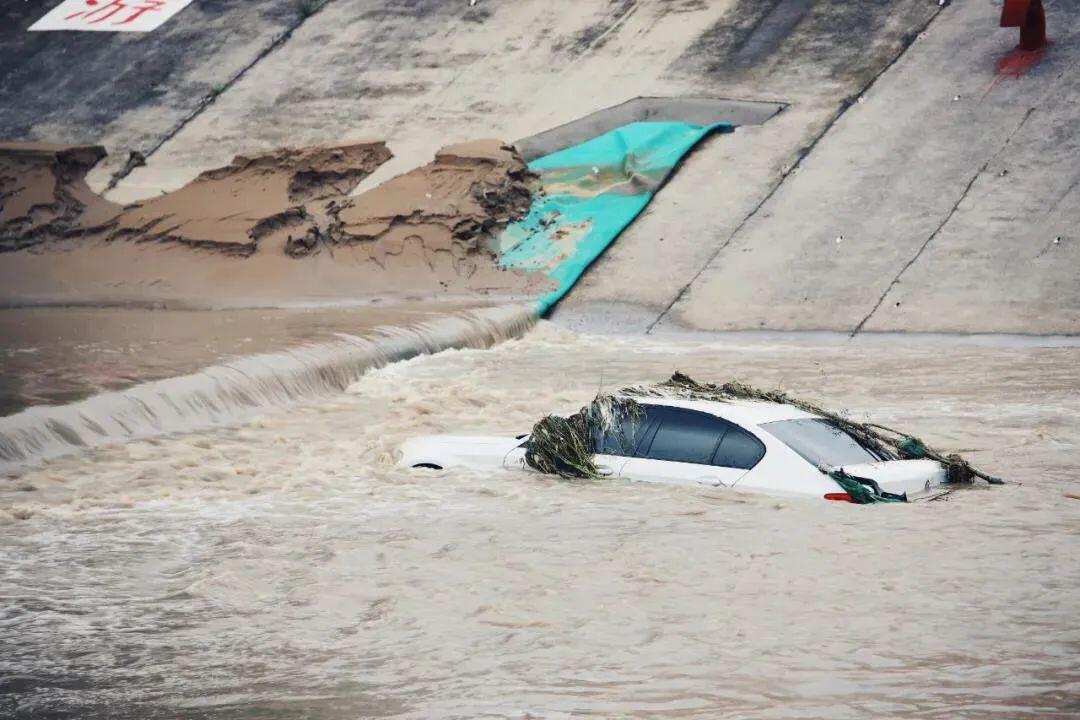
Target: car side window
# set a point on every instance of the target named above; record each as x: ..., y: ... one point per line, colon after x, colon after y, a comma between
x: 685, y: 436
x: 738, y: 449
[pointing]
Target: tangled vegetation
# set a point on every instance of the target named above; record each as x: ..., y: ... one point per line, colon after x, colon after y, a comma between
x: 565, y: 446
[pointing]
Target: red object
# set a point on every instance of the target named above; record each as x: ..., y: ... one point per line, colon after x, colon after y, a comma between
x: 840, y: 497
x: 1029, y: 16
x: 100, y: 12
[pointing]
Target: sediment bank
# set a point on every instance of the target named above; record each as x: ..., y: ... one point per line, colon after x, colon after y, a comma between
x: 272, y: 228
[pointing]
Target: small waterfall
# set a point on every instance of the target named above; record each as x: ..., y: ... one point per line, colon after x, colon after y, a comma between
x: 233, y: 391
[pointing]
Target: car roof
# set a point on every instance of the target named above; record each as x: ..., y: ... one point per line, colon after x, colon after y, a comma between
x: 740, y: 412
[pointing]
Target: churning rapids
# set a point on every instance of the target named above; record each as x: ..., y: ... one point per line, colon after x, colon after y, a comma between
x: 283, y: 567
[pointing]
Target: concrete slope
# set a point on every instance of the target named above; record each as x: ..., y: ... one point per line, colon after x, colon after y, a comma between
x: 423, y: 73
x: 817, y: 56
x: 1008, y: 259
x: 933, y: 237
x: 946, y: 201
x: 128, y: 91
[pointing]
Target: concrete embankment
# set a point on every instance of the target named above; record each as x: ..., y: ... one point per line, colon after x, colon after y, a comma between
x: 905, y: 187
x: 944, y: 199
x: 129, y: 91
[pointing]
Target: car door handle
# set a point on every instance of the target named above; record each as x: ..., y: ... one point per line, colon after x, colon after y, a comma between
x: 605, y: 471
x: 711, y: 481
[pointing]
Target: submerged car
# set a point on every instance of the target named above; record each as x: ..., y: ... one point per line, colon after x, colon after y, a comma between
x: 751, y: 446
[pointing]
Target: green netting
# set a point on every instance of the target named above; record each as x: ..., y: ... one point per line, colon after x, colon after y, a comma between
x: 592, y: 191
x: 862, y: 491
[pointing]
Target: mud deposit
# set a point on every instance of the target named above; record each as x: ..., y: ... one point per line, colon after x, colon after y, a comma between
x: 44, y: 195
x: 287, y: 214
x: 277, y: 202
x: 285, y: 568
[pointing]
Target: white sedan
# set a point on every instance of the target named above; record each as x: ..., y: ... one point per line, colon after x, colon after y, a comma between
x: 751, y: 446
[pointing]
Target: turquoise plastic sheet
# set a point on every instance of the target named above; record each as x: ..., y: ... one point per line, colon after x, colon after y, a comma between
x: 592, y: 192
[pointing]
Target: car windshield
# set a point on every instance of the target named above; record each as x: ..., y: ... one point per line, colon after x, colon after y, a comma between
x: 820, y: 442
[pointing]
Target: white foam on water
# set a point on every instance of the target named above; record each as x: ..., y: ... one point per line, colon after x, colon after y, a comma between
x: 233, y: 391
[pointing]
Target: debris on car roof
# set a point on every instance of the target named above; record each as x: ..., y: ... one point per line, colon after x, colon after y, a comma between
x: 565, y: 446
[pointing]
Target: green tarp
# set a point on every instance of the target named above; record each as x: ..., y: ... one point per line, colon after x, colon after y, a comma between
x: 592, y: 191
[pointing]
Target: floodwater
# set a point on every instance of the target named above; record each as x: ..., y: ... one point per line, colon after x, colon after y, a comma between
x: 285, y: 568
x: 56, y: 355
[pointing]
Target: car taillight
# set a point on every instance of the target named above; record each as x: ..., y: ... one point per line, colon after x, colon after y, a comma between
x: 839, y: 497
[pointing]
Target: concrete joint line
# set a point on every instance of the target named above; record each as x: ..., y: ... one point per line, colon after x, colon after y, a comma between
x: 602, y: 37
x: 942, y: 224
x: 800, y: 156
x: 313, y: 7
x: 742, y: 223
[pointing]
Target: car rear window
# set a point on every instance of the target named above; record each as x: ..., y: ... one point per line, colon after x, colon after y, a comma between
x: 820, y: 442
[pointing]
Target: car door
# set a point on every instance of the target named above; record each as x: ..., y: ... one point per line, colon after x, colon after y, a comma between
x: 686, y: 447
x: 607, y: 465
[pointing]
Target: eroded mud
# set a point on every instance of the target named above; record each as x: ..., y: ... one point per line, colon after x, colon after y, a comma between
x: 231, y: 209
x: 267, y: 202
x: 429, y: 229
x: 452, y: 205
x: 44, y: 195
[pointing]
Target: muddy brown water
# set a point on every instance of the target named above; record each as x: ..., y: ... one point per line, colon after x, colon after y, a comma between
x: 57, y: 355
x: 285, y: 568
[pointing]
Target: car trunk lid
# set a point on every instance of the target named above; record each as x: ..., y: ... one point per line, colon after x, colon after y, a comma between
x: 900, y: 476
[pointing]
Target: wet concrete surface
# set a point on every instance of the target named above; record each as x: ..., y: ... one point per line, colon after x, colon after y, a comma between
x: 128, y: 91
x: 944, y: 200
x: 816, y: 57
